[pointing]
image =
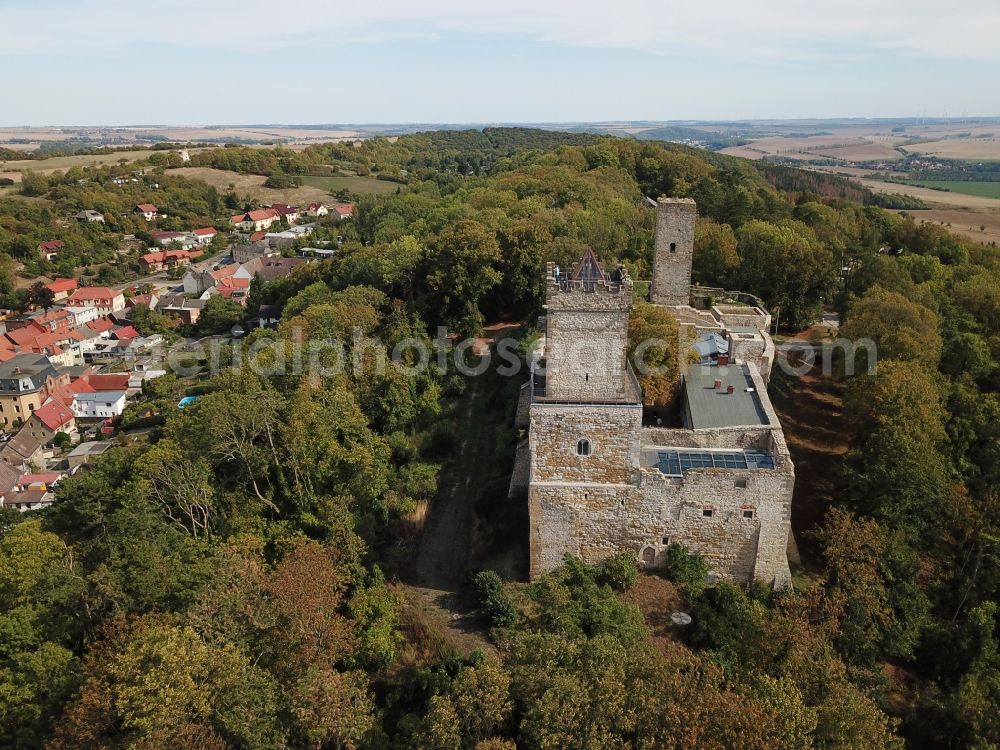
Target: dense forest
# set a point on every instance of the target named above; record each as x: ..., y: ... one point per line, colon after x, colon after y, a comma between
x: 237, y: 580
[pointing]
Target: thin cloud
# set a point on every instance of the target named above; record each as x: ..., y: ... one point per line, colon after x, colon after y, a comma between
x: 759, y: 31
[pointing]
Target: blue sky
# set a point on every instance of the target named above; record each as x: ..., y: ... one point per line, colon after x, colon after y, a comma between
x: 193, y: 62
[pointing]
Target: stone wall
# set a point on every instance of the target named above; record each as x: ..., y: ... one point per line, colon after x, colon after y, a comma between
x: 732, y: 438
x: 742, y: 315
x: 612, y: 432
x: 744, y: 536
x: 673, y: 251
x: 585, y: 355
x: 586, y: 340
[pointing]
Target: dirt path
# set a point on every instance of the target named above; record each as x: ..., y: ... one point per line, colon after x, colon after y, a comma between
x: 439, y: 571
x: 447, y: 536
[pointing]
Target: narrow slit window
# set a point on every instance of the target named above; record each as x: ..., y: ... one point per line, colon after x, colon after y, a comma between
x: 673, y: 247
x: 583, y: 447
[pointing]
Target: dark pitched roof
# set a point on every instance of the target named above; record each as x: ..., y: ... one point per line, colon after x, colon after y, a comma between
x: 589, y: 268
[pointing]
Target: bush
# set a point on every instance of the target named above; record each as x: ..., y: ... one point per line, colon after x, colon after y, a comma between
x: 687, y: 569
x: 620, y: 572
x: 61, y: 440
x: 281, y: 181
x: 497, y: 607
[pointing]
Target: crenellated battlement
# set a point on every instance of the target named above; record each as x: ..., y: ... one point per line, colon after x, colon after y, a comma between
x: 566, y: 293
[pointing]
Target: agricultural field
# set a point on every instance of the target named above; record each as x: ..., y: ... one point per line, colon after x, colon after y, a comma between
x: 968, y: 149
x: 966, y: 187
x: 980, y: 226
x: 56, y: 163
x: 936, y: 197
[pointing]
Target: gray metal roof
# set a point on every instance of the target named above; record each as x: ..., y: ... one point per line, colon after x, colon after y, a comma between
x: 711, y: 407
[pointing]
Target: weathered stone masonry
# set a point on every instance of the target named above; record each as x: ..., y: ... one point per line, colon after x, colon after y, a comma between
x: 595, y: 486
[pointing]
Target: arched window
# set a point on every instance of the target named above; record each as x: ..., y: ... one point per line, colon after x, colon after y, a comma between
x: 673, y: 247
x: 583, y: 447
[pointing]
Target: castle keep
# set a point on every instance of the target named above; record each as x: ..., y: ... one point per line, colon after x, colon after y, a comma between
x: 601, y: 481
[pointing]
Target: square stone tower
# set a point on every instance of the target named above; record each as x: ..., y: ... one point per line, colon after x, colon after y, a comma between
x: 586, y: 336
x: 673, y: 251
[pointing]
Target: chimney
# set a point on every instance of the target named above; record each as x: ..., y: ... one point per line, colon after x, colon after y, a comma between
x: 723, y: 360
x: 729, y: 389
x: 717, y: 385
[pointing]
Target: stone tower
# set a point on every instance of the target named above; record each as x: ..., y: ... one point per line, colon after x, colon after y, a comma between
x: 586, y: 333
x: 673, y: 251
x: 585, y: 411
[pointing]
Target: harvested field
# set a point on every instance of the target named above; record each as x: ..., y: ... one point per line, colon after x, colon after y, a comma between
x: 973, y: 149
x: 862, y: 152
x: 847, y: 147
x: 47, y: 166
x: 965, y: 223
x: 936, y: 197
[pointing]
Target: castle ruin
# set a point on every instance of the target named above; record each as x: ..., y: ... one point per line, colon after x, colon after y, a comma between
x: 601, y: 480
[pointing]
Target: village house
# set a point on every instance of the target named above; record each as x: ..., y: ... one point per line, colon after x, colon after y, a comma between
x: 179, y: 307
x: 182, y: 240
x: 344, y: 210
x: 25, y: 500
x: 254, y: 221
x: 164, y: 259
x: 49, y: 420
x: 147, y: 210
x: 22, y: 451
x: 317, y: 209
x: 289, y: 213
x: 106, y: 300
x: 89, y: 216
x: 86, y: 452
x: 81, y: 314
x: 146, y: 300
x: 205, y: 235
x: 288, y: 237
x: 245, y: 252
x: 62, y: 288
x: 50, y: 249
x: 99, y: 404
x: 26, y: 381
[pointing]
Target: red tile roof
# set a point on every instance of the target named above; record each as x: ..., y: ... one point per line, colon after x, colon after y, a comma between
x: 94, y: 294
x: 165, y: 256
x: 147, y: 208
x: 54, y: 415
x: 110, y: 382
x: 225, y: 272
x: 205, y: 232
x: 51, y: 245
x: 260, y: 214
x: 81, y: 386
x: 100, y: 325
x: 344, y: 209
x: 125, y: 332
x: 48, y: 477
x: 140, y: 299
x: 62, y: 285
